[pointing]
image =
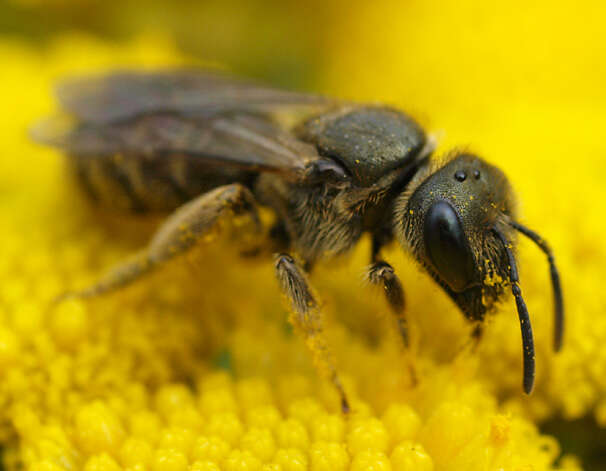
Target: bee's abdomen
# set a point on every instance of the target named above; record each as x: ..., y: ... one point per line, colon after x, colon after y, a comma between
x: 144, y: 184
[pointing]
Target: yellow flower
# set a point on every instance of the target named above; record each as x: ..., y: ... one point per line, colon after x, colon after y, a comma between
x: 130, y: 381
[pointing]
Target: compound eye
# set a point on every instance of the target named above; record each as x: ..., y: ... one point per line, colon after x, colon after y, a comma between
x: 447, y: 246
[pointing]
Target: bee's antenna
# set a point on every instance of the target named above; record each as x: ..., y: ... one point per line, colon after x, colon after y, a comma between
x: 527, y: 340
x: 558, y: 302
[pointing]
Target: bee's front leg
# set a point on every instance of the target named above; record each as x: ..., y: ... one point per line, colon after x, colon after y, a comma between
x: 306, y: 317
x: 382, y: 274
x: 184, y: 229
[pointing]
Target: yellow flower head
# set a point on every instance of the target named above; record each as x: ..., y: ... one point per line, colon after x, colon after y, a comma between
x: 195, y: 370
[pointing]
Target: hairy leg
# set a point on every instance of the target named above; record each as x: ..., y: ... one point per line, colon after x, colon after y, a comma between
x: 307, y: 318
x: 382, y: 274
x: 186, y: 227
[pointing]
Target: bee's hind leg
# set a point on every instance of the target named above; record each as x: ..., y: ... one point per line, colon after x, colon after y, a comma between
x: 184, y: 229
x: 306, y: 317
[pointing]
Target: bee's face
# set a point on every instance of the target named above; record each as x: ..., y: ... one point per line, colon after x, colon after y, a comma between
x: 447, y: 222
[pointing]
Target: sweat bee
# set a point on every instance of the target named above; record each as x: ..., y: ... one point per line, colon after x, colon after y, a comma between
x: 204, y: 145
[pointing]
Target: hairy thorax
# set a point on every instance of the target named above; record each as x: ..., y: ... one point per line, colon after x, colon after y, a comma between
x: 327, y: 220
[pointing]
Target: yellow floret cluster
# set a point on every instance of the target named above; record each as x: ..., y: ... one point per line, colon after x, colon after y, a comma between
x: 196, y: 367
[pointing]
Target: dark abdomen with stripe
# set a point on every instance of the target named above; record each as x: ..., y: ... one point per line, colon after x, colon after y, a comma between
x: 144, y: 184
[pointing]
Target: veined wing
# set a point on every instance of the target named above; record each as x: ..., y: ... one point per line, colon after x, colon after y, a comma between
x: 123, y: 95
x: 185, y: 112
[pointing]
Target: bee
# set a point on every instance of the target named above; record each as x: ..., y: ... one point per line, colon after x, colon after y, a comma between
x: 207, y: 146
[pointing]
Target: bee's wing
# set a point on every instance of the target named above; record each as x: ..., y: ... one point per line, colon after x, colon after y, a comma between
x: 222, y: 120
x: 123, y: 95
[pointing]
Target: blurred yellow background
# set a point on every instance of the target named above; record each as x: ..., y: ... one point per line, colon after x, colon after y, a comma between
x: 520, y: 83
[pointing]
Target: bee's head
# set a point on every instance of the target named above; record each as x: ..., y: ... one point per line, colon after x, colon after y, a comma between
x: 447, y: 220
x: 458, y: 220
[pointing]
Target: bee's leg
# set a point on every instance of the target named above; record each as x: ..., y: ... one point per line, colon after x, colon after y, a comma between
x: 477, y: 332
x: 382, y: 274
x: 306, y: 317
x: 185, y: 228
x: 473, y: 342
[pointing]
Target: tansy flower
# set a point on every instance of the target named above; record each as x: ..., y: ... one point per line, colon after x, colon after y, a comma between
x: 195, y: 367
